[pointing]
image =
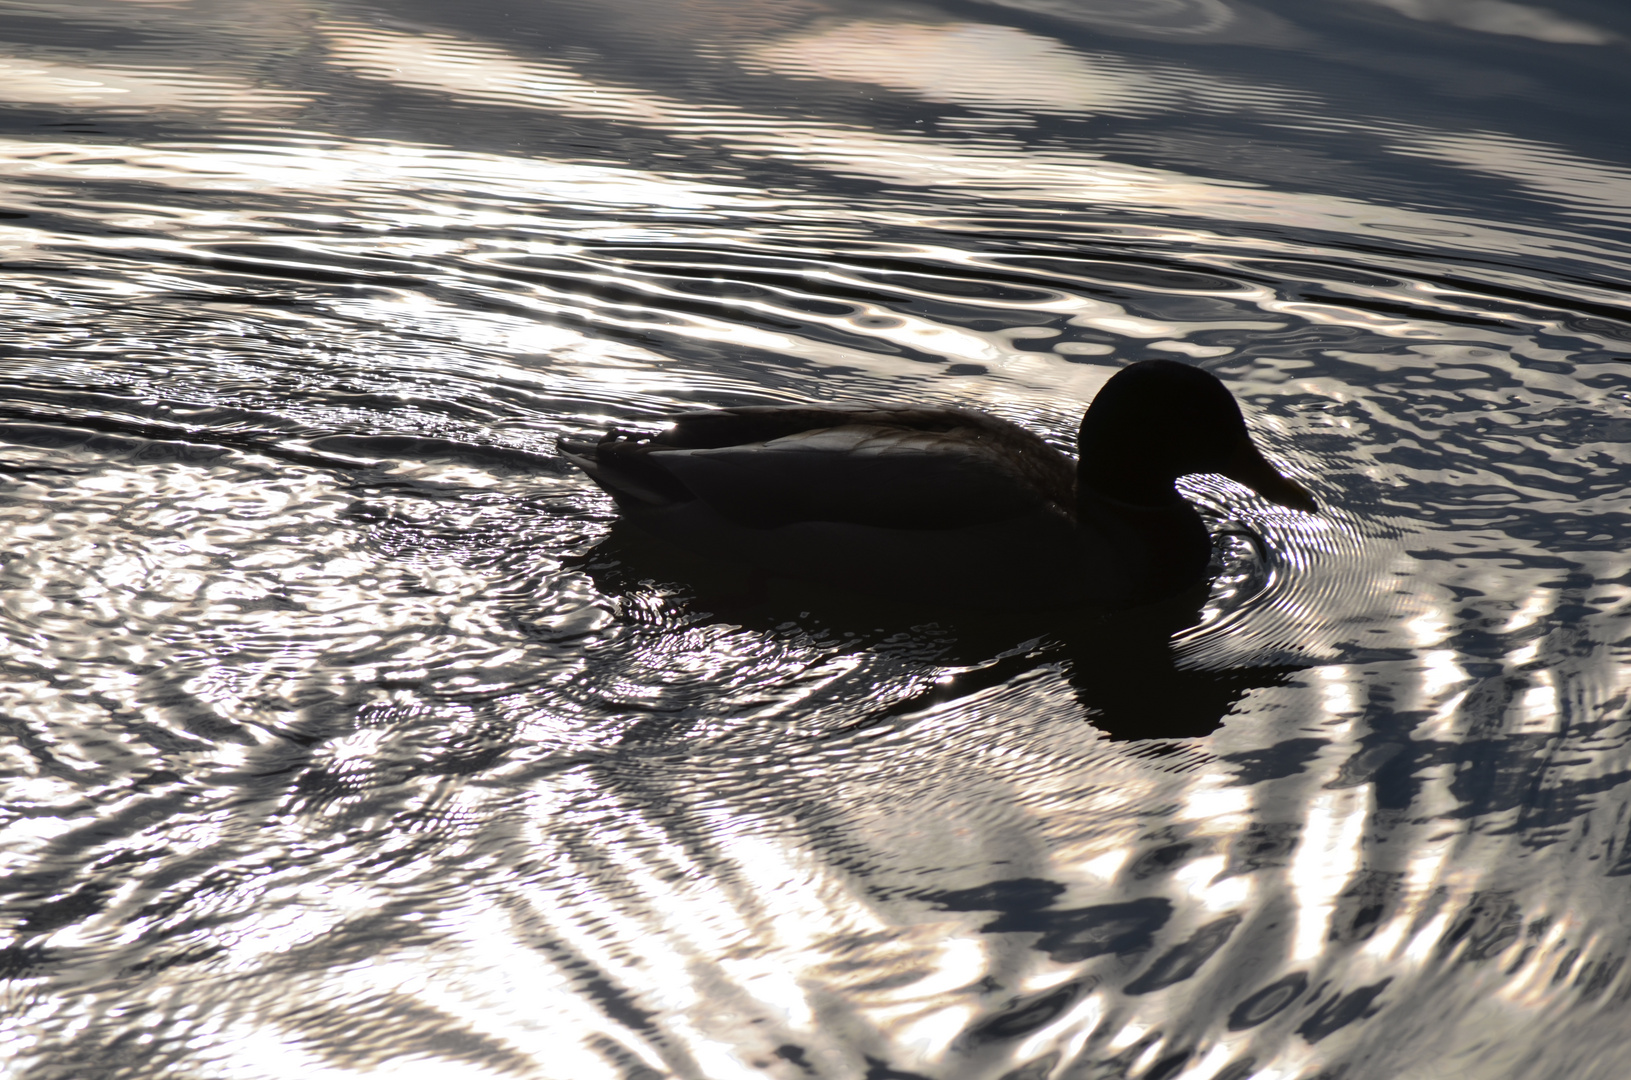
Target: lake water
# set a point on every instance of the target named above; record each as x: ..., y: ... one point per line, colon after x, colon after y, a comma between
x: 342, y: 735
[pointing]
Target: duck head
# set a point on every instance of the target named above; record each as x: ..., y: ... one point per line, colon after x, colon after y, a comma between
x: 1157, y: 420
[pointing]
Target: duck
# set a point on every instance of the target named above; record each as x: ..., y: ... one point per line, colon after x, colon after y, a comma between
x: 947, y: 506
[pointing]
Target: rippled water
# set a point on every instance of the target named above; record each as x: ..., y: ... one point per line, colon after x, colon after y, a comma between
x: 345, y: 734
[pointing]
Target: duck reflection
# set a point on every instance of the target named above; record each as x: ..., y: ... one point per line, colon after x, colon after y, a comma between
x: 1120, y: 663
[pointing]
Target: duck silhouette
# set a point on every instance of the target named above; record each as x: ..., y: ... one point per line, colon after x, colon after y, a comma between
x: 948, y: 506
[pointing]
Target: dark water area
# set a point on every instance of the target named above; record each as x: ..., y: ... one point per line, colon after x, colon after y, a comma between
x: 343, y: 733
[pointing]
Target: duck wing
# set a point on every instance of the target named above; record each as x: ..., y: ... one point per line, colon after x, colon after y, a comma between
x: 890, y: 468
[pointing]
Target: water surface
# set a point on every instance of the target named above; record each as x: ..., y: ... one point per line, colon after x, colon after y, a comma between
x: 344, y: 733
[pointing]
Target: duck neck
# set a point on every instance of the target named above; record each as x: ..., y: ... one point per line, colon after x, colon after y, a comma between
x: 1125, y: 485
x: 1159, y: 539
x: 1123, y: 470
x: 1120, y: 457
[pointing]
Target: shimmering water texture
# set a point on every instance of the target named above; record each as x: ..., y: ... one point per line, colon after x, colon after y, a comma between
x: 343, y: 733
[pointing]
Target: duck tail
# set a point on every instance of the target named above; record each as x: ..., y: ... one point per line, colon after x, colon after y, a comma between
x: 623, y: 467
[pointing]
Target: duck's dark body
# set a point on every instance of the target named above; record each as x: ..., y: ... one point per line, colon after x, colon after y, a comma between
x: 923, y: 505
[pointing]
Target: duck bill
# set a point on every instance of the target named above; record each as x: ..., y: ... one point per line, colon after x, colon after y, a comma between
x: 1248, y: 466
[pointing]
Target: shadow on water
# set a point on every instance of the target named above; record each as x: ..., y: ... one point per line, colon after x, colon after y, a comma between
x: 1120, y: 663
